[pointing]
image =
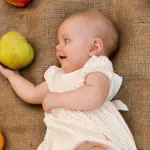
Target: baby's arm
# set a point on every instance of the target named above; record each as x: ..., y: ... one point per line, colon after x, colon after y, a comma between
x: 87, y: 97
x: 24, y: 88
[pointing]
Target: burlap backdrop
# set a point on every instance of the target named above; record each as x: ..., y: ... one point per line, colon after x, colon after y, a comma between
x: 22, y: 123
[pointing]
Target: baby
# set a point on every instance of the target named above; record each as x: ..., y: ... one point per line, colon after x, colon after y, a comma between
x: 77, y: 97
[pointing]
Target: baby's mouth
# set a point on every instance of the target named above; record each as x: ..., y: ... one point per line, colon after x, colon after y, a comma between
x: 62, y: 57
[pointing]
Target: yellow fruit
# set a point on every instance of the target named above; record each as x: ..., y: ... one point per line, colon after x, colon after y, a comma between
x: 1, y: 141
x: 15, y: 51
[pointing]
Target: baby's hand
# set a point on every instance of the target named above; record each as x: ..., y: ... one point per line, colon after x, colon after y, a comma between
x: 7, y: 72
x: 49, y: 102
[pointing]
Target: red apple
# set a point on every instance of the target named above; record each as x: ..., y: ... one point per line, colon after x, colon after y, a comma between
x: 19, y: 3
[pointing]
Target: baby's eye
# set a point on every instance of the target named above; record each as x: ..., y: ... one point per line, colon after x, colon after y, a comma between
x: 67, y: 41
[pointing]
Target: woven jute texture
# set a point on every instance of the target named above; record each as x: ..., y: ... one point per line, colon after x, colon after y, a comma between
x: 22, y: 123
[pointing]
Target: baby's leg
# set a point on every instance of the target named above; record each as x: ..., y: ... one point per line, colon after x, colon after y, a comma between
x: 91, y: 146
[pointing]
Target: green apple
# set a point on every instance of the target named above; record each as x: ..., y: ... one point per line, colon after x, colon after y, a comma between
x: 15, y: 52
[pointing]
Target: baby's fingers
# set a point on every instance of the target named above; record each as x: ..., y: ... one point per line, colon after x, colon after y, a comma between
x: 46, y: 107
x: 5, y: 71
x: 1, y: 68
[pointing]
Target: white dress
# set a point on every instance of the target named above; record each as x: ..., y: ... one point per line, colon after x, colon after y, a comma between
x: 68, y: 128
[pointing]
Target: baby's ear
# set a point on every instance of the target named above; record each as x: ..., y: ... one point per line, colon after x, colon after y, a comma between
x: 96, y: 47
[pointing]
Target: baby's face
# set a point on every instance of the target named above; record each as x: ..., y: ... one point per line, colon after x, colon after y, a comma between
x: 73, y: 47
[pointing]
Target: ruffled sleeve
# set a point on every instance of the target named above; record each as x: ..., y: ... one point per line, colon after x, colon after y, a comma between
x: 98, y: 64
x: 49, y: 75
x: 103, y: 64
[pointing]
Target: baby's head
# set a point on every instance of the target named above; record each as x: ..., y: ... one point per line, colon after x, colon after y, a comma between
x: 83, y: 35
